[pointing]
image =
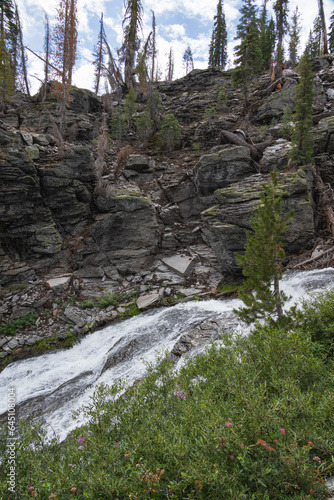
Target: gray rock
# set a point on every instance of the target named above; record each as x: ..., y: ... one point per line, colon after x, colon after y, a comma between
x: 3, y: 341
x: 148, y: 300
x: 139, y: 163
x: 276, y: 155
x: 19, y: 312
x: 60, y: 284
x: 181, y: 264
x: 40, y: 139
x: 12, y: 344
x: 75, y: 315
x: 274, y: 106
x: 32, y: 152
x: 221, y: 169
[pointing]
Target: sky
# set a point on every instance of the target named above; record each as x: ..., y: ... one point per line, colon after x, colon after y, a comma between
x: 179, y: 24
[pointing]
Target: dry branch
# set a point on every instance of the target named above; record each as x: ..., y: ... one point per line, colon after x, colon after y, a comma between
x: 325, y: 198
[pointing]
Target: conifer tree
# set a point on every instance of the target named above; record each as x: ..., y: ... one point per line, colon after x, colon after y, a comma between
x: 170, y: 66
x: 131, y: 42
x: 281, y: 10
x: 262, y: 262
x: 170, y: 132
x: 218, y: 45
x: 8, y: 43
x: 323, y: 26
x: 314, y: 44
x: 331, y: 33
x: 295, y: 30
x: 99, y: 55
x: 302, y: 142
x: 154, y: 51
x: 267, y: 36
x: 47, y: 49
x: 21, y: 72
x: 188, y: 60
x: 65, y: 48
x: 248, y: 51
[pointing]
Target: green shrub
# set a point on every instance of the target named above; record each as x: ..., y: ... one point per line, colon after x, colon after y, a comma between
x: 252, y: 418
x: 170, y: 133
x: 109, y: 299
x: 11, y: 327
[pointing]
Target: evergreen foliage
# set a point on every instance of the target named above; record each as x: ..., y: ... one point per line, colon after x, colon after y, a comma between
x: 131, y: 42
x: 144, y: 125
x: 314, y: 44
x: 267, y: 36
x: 294, y: 42
x: 118, y: 124
x: 188, y: 60
x: 331, y: 33
x: 286, y: 125
x: 8, y: 45
x: 170, y: 66
x: 130, y: 105
x: 248, y: 51
x: 262, y: 262
x: 302, y: 141
x: 281, y: 10
x: 99, y: 56
x: 170, y: 132
x: 218, y: 45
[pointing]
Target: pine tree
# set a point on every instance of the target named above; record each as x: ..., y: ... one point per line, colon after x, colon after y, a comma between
x: 294, y: 37
x: 47, y: 49
x: 267, y: 36
x: 154, y: 51
x: 188, y: 60
x: 170, y: 132
x: 8, y: 44
x: 218, y: 45
x: 314, y: 44
x: 131, y: 42
x: 99, y: 55
x: 170, y: 66
x: 331, y: 33
x: 248, y: 51
x: 302, y: 142
x: 323, y: 26
x: 281, y: 10
x: 65, y: 47
x: 262, y: 262
x: 22, y: 74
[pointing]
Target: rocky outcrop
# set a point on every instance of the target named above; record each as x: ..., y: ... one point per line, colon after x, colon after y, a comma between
x: 217, y: 170
x: 225, y: 223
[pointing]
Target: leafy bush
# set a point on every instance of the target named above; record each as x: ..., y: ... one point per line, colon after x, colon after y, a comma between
x: 252, y: 418
x: 170, y: 132
x: 317, y: 319
x: 11, y: 327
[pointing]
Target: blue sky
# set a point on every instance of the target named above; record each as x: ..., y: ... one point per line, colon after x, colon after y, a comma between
x: 179, y: 23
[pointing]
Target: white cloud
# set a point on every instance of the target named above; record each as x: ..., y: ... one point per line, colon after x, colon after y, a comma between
x: 173, y: 31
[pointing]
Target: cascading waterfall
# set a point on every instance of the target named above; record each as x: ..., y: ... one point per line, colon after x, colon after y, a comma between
x: 57, y: 383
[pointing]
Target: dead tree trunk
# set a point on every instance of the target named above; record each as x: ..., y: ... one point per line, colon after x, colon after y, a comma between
x: 325, y: 198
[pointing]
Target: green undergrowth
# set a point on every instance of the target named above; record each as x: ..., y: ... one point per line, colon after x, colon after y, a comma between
x: 110, y: 299
x: 252, y: 418
x: 11, y: 327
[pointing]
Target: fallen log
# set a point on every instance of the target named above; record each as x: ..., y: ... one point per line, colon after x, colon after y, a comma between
x: 313, y: 259
x: 226, y: 137
x: 325, y: 198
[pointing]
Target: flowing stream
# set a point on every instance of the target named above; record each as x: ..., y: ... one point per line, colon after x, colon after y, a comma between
x: 59, y: 382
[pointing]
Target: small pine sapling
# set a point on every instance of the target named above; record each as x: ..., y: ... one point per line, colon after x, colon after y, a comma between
x: 262, y: 262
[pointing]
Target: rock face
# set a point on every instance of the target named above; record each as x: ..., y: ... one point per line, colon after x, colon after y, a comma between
x: 56, y: 214
x: 225, y: 223
x: 221, y: 169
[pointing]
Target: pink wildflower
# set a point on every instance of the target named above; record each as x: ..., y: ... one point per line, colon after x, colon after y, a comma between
x: 70, y: 465
x: 126, y: 455
x: 31, y: 488
x: 317, y: 459
x: 228, y: 424
x: 282, y: 431
x: 232, y: 457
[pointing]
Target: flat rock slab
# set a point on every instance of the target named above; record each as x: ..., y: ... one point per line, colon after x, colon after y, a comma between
x: 59, y: 284
x: 147, y: 300
x: 181, y: 264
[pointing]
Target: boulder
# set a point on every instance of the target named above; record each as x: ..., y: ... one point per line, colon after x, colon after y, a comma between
x: 181, y: 264
x: 217, y: 170
x: 274, y: 106
x: 275, y: 156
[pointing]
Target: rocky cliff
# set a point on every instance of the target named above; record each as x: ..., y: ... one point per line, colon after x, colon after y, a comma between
x: 172, y: 219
